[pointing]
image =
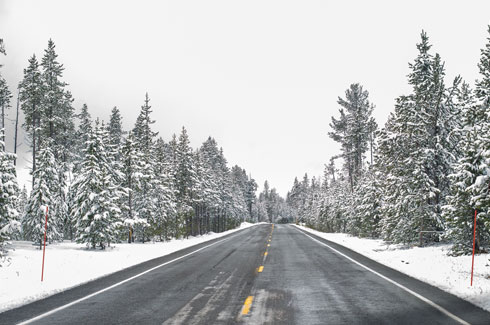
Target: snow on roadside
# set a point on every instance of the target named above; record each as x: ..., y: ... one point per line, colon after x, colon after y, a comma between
x: 428, y: 264
x: 69, y: 264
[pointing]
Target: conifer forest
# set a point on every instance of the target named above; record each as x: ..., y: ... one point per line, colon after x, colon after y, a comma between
x: 416, y: 180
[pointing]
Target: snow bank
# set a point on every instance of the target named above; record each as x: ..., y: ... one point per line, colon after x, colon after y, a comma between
x: 68, y: 264
x: 428, y: 264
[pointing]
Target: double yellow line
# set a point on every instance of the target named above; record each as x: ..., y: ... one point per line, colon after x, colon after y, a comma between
x: 248, y: 302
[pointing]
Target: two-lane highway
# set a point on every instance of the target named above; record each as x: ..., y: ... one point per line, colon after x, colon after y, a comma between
x: 261, y: 275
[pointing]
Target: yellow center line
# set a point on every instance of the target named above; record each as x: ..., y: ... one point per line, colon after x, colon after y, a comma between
x: 265, y: 253
x: 247, y: 304
x: 260, y: 269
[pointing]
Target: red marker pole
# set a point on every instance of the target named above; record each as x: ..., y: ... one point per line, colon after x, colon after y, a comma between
x: 44, y: 249
x: 473, y: 257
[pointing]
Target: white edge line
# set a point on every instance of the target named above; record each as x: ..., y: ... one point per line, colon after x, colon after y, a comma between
x: 29, y: 321
x: 430, y: 302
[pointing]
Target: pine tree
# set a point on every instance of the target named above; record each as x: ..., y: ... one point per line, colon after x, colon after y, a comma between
x: 57, y: 110
x: 483, y: 85
x: 95, y: 210
x: 354, y: 130
x: 132, y: 169
x: 164, y: 194
x: 465, y: 196
x: 82, y: 135
x: 5, y: 96
x: 8, y: 198
x: 469, y: 188
x: 2, y: 48
x: 115, y: 130
x: 142, y: 132
x: 185, y: 180
x: 144, y: 200
x: 366, y: 212
x: 43, y: 195
x: 31, y: 94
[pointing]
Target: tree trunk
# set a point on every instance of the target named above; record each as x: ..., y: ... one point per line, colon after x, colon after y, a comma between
x: 16, y: 127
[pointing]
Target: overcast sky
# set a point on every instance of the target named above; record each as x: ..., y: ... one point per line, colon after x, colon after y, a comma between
x: 262, y: 77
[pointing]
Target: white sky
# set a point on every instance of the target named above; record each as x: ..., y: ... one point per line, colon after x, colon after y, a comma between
x: 262, y: 77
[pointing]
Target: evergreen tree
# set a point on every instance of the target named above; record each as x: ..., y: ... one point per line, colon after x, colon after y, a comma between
x: 143, y: 134
x: 2, y: 48
x: 416, y: 150
x: 95, y: 208
x: 469, y: 187
x: 185, y: 178
x: 31, y: 93
x: 57, y: 110
x: 132, y: 169
x: 367, y: 202
x: 115, y: 129
x: 466, y: 193
x: 43, y: 195
x: 8, y: 197
x: 5, y: 96
x: 82, y: 135
x: 164, y: 194
x: 354, y: 130
x: 144, y: 200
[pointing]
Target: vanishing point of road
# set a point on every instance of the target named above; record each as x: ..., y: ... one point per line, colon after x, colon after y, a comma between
x: 266, y: 274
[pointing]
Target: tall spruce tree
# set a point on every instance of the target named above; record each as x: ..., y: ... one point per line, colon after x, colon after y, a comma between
x: 43, y: 194
x: 9, y: 191
x: 31, y: 94
x: 354, y: 130
x: 132, y: 169
x: 57, y: 111
x: 470, y: 182
x: 95, y: 210
x: 5, y: 96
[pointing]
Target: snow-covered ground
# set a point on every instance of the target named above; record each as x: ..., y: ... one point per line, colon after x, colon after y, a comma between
x: 69, y: 264
x: 428, y: 264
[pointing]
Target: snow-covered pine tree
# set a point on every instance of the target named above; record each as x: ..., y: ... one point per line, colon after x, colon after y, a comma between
x: 185, y: 180
x: 116, y: 132
x: 144, y: 200
x: 366, y: 209
x: 5, y: 96
x: 416, y: 150
x: 483, y: 85
x: 251, y: 197
x: 43, y: 194
x: 31, y: 93
x: 82, y: 134
x: 470, y: 182
x: 95, y: 207
x: 57, y: 110
x: 22, y: 200
x: 464, y: 194
x: 2, y: 48
x: 9, y: 190
x: 164, y: 194
x: 353, y: 130
x: 239, y: 183
x: 206, y: 165
x: 132, y: 169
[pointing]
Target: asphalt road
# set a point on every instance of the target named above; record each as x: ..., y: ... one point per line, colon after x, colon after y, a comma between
x: 261, y: 275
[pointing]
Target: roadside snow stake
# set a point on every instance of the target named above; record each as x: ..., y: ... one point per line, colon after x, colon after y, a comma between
x: 44, y: 249
x: 473, y: 255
